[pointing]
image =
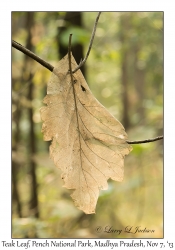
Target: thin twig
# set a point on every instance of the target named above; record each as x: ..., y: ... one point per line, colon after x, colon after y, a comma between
x: 29, y: 53
x: 69, y: 56
x: 146, y: 141
x: 48, y: 65
x: 90, y: 45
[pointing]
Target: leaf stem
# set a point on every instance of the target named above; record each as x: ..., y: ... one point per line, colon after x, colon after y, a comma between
x: 146, y: 141
x: 75, y: 101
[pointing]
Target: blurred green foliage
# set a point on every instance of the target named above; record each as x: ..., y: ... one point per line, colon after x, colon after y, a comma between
x: 138, y: 200
x: 79, y: 35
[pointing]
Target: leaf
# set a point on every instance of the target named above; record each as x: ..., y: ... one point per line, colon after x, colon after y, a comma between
x: 80, y: 35
x: 88, y: 143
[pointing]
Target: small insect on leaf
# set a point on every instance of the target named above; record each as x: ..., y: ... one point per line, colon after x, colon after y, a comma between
x: 83, y: 89
x: 88, y: 143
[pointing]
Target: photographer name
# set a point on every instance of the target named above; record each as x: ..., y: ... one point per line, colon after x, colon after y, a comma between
x: 138, y: 229
x: 127, y: 229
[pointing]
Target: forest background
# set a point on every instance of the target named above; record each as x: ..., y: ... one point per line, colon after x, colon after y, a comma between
x: 125, y: 73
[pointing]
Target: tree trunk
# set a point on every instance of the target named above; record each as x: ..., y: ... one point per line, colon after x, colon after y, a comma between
x: 15, y: 165
x: 124, y: 74
x: 139, y: 85
x: 32, y: 141
x: 71, y: 19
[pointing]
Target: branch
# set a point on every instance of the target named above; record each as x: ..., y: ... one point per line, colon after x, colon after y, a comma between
x: 32, y: 55
x: 90, y: 45
x: 47, y: 65
x: 146, y: 141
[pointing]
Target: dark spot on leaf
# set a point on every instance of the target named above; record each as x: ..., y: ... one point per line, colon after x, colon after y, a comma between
x: 75, y: 81
x: 83, y: 89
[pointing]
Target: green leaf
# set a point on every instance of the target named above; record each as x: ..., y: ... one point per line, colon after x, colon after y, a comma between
x: 79, y: 36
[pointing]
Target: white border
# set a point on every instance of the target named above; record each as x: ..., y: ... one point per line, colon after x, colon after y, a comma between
x: 5, y: 94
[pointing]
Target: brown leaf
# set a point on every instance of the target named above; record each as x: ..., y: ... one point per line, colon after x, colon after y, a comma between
x: 88, y: 143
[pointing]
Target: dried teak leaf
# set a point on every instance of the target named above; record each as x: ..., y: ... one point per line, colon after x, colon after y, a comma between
x: 88, y: 143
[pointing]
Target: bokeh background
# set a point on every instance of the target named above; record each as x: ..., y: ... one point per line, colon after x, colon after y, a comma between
x: 125, y: 73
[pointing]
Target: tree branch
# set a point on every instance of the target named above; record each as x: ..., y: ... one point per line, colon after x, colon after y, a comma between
x: 90, y: 44
x: 146, y: 141
x: 29, y: 53
x: 47, y: 65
